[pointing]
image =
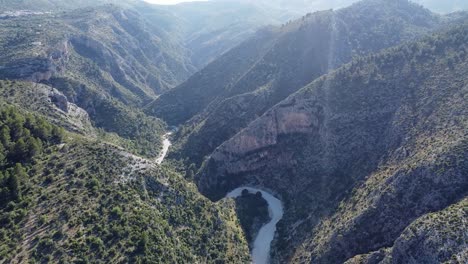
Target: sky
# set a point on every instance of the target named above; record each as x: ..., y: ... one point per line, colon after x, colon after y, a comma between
x: 169, y: 2
x: 442, y: 6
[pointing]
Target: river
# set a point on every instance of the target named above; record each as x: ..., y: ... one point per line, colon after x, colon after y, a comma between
x: 166, y: 145
x: 262, y: 243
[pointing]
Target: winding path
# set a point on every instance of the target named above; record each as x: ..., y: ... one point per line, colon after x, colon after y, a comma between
x: 262, y: 243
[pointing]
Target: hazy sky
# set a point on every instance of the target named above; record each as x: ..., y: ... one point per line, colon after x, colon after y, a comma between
x: 434, y: 5
x: 170, y: 2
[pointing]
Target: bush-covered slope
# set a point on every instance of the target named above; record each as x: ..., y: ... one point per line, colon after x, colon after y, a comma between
x: 138, y: 133
x: 220, y: 102
x: 437, y: 237
x: 104, y: 46
x: 55, y: 5
x: 49, y: 103
x: 105, y: 60
x: 359, y: 154
x: 186, y: 100
x: 86, y: 201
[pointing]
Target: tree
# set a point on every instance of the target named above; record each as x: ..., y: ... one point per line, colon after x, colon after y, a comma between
x: 19, y: 151
x: 42, y: 129
x: 190, y: 174
x: 34, y: 146
x: 5, y: 136
x: 13, y: 185
x: 258, y: 195
x: 20, y: 171
x: 57, y: 134
x: 142, y: 247
x: 3, y: 155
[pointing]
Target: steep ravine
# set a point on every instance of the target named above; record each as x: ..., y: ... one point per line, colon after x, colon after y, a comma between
x: 359, y: 154
x: 262, y: 242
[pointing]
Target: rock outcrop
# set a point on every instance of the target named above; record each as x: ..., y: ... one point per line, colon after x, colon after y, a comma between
x: 59, y: 100
x: 296, y: 54
x: 48, y: 102
x: 360, y: 154
x: 38, y: 69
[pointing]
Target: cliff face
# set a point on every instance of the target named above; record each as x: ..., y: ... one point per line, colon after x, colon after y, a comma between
x: 49, y: 102
x: 301, y: 51
x: 38, y: 69
x: 106, y: 60
x: 359, y: 154
x: 128, y: 55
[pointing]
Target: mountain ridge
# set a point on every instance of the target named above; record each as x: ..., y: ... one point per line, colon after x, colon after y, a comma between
x: 354, y: 119
x: 301, y: 51
x: 302, y: 147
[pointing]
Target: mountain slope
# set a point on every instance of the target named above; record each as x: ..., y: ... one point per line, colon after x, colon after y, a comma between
x: 55, y: 5
x: 206, y: 29
x: 358, y: 155
x: 105, y: 60
x: 75, y: 199
x: 48, y: 102
x: 427, y: 240
x: 137, y: 62
x: 444, y: 6
x: 219, y: 103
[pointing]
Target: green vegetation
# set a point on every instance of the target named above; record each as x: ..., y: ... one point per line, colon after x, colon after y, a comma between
x: 369, y: 160
x: 97, y: 59
x: 436, y: 237
x: 123, y: 126
x: 23, y: 138
x: 38, y: 98
x: 84, y: 201
x: 252, y: 211
x: 226, y: 96
x: 358, y: 154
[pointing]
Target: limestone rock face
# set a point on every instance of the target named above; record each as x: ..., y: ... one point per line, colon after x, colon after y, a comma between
x: 358, y: 155
x: 59, y: 100
x: 300, y: 52
x: 40, y: 68
x: 48, y: 102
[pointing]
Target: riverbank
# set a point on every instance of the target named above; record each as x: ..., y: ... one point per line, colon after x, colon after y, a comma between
x: 262, y: 243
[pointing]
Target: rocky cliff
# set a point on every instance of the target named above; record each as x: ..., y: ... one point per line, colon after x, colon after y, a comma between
x: 301, y: 51
x: 106, y: 60
x: 50, y: 103
x: 360, y: 154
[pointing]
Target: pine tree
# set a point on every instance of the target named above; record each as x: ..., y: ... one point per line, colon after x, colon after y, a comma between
x: 13, y: 185
x: 5, y: 136
x: 19, y: 172
x: 3, y: 155
x: 57, y: 134
x: 19, y: 151
x: 33, y: 146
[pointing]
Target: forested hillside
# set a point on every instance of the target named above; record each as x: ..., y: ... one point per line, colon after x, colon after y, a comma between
x: 83, y: 196
x: 104, y: 60
x: 359, y: 155
x: 219, y: 101
x: 68, y: 198
x: 233, y: 131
